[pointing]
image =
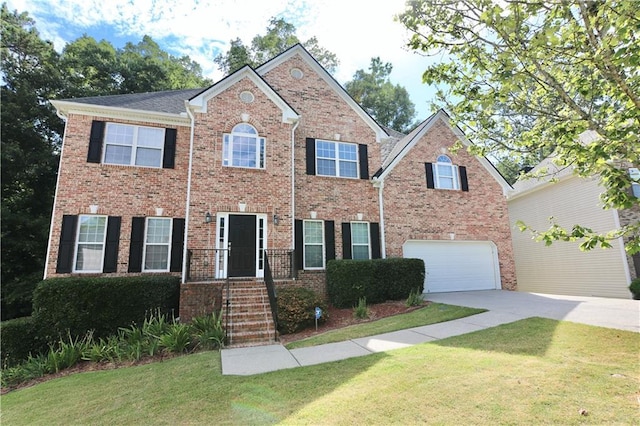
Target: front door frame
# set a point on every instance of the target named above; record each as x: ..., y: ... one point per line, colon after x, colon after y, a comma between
x: 222, y: 242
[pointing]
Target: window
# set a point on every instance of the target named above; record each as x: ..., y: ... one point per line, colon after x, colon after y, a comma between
x: 133, y: 145
x: 336, y: 159
x: 313, y: 244
x: 446, y: 174
x: 243, y: 148
x: 157, y: 244
x: 92, y: 231
x: 360, y: 240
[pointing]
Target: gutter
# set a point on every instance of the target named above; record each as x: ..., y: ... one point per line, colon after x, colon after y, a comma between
x: 188, y: 207
x: 293, y: 185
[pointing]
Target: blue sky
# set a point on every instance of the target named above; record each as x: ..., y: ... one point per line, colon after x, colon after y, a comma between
x: 355, y: 30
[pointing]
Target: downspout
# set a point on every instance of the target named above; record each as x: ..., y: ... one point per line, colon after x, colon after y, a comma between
x: 55, y: 197
x: 623, y: 253
x: 188, y: 207
x: 379, y: 184
x: 293, y: 184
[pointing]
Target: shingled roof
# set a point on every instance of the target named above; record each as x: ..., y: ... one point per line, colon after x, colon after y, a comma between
x: 168, y: 101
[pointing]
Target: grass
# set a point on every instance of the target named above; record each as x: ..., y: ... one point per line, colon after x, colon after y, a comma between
x: 431, y: 314
x: 534, y: 371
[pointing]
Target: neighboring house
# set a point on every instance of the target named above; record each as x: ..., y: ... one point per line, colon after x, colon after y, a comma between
x: 562, y: 268
x: 276, y: 164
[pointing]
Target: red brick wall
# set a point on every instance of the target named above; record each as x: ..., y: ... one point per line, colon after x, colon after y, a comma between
x: 124, y: 191
x: 413, y: 211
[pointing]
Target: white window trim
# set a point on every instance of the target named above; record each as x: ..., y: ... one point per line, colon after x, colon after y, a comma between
x: 361, y: 245
x: 337, y: 159
x: 77, y: 245
x: 454, y: 172
x: 222, y: 241
x: 134, y: 146
x: 146, y: 244
x: 305, y: 244
x: 261, y: 149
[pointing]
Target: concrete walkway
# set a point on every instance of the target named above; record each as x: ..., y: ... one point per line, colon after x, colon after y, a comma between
x: 504, y: 307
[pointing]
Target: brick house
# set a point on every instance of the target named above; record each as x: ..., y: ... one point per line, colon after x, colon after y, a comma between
x: 274, y: 165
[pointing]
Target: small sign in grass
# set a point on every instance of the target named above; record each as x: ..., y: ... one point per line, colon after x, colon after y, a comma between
x: 431, y: 314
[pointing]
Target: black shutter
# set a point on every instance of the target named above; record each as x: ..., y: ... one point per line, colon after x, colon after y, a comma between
x: 428, y: 167
x: 112, y: 244
x: 374, y: 234
x: 329, y: 240
x: 168, y: 160
x: 177, y: 245
x: 299, y: 246
x: 364, y: 161
x: 346, y: 240
x: 137, y: 244
x: 67, y: 244
x: 464, y: 184
x: 311, y: 156
x: 95, y: 142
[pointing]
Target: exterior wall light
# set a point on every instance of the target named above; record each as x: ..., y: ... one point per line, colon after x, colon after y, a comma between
x: 207, y: 218
x: 276, y: 219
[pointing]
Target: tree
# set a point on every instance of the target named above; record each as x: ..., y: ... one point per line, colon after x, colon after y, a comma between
x: 389, y: 104
x: 531, y: 76
x: 30, y: 142
x: 279, y: 37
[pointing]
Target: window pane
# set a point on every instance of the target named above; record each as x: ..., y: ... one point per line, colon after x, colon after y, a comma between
x: 326, y: 167
x: 325, y: 149
x: 119, y: 134
x: 89, y: 257
x: 313, y: 232
x: 92, y: 229
x: 244, y: 151
x: 348, y: 169
x: 149, y: 157
x: 359, y: 233
x: 158, y: 231
x: 149, y: 136
x: 313, y: 256
x: 360, y: 252
x: 445, y: 171
x: 156, y: 257
x: 115, y: 154
x: 347, y: 152
x: 244, y: 128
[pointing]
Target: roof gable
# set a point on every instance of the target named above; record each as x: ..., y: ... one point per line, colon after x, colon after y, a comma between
x: 198, y: 103
x: 299, y: 50
x: 404, y: 146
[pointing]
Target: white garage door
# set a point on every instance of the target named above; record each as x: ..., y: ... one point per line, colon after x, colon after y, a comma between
x: 456, y: 265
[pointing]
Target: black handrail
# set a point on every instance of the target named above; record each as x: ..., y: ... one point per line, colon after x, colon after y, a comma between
x: 207, y: 264
x: 271, y: 290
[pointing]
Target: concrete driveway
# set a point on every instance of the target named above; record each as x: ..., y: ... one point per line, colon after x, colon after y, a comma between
x: 623, y: 314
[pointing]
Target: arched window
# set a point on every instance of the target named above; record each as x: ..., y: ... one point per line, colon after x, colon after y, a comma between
x: 446, y: 174
x: 243, y: 147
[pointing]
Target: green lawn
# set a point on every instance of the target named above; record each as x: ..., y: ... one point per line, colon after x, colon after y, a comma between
x: 431, y: 314
x: 534, y: 371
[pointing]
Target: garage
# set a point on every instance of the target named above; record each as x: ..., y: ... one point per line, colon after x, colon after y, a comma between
x: 456, y: 265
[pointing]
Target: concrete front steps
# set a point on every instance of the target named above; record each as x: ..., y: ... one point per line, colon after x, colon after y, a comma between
x: 250, y: 322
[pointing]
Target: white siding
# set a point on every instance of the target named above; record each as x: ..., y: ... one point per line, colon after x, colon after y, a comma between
x: 562, y: 268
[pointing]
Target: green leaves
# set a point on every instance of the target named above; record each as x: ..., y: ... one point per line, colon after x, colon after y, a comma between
x: 526, y: 79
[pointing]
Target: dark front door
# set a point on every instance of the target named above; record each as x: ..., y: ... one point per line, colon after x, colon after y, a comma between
x: 242, y: 237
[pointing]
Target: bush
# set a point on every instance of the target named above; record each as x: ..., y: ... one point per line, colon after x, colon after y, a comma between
x: 634, y: 287
x: 296, y: 309
x: 377, y: 280
x: 361, y: 310
x: 20, y: 338
x: 77, y: 305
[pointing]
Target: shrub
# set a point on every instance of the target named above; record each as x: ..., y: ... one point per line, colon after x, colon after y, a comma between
x: 177, y: 339
x: 296, y: 309
x: 103, y: 304
x: 208, y: 331
x: 378, y: 280
x: 634, y: 287
x: 361, y: 310
x: 20, y: 338
x: 414, y: 299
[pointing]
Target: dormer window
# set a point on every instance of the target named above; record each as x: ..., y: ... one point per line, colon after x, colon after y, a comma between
x: 243, y: 147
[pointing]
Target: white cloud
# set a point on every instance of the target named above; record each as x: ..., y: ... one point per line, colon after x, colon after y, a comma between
x: 355, y: 30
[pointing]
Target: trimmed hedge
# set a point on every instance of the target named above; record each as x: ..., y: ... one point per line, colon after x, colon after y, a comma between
x: 20, y: 337
x: 101, y: 304
x: 296, y: 309
x: 377, y: 280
